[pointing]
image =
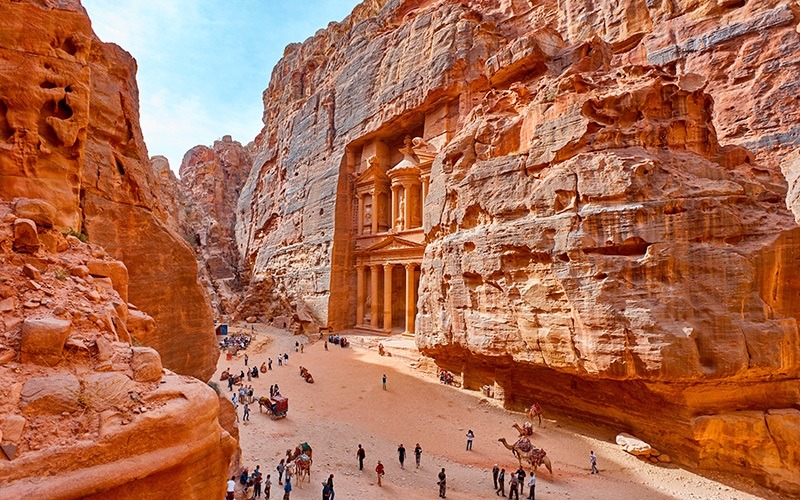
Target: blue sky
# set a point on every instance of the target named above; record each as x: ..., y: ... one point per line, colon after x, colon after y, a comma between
x: 203, y: 64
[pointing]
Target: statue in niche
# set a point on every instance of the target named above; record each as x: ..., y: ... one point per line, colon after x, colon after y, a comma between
x: 414, y: 200
x: 368, y: 219
x: 381, y: 211
x: 399, y: 223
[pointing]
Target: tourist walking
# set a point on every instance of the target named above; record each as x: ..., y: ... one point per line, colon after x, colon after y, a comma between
x: 330, y: 487
x: 231, y: 489
x: 230, y: 383
x: 267, y: 486
x: 470, y: 437
x: 442, y: 484
x: 281, y: 467
x: 380, y: 472
x: 361, y: 454
x: 280, y: 359
x: 532, y: 485
x: 246, y: 415
x: 501, y: 483
x: 401, y: 455
x: 513, y: 487
x: 269, y: 364
x: 417, y: 454
x: 593, y: 462
x: 495, y: 473
x: 301, y: 348
x: 245, y: 359
x: 286, y: 358
x: 384, y: 381
x: 296, y: 346
x: 326, y: 345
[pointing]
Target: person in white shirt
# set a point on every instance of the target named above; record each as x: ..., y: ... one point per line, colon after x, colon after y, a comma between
x: 231, y: 488
x: 532, y: 484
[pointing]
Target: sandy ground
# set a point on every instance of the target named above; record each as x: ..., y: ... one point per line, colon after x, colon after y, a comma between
x: 347, y: 406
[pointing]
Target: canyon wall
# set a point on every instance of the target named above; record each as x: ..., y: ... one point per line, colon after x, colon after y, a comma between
x: 606, y: 225
x: 210, y: 184
x: 83, y: 412
x: 69, y: 134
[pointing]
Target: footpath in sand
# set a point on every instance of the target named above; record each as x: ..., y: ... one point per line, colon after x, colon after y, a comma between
x: 347, y: 406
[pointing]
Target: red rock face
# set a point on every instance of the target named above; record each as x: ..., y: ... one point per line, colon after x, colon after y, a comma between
x: 74, y: 393
x: 211, y: 181
x: 606, y: 225
x: 69, y: 134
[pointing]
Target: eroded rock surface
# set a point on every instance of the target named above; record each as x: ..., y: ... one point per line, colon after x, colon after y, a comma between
x: 79, y: 404
x: 70, y: 136
x: 606, y: 224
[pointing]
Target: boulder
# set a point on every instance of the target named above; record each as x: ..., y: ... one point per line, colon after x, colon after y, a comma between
x: 43, y: 339
x: 31, y: 272
x: 41, y: 212
x: 633, y: 445
x: 26, y: 240
x: 12, y: 428
x: 80, y: 271
x: 51, y: 395
x: 104, y: 349
x: 113, y: 269
x: 146, y: 364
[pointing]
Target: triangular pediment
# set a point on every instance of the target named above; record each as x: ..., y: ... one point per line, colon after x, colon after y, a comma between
x: 373, y: 173
x: 394, y: 243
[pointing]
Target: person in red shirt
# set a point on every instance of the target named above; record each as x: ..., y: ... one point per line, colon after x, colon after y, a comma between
x: 379, y: 471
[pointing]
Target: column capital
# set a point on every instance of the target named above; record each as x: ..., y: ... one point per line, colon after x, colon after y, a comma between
x: 388, y: 266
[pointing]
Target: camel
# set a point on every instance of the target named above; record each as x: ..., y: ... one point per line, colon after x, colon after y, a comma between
x: 525, y: 430
x: 534, y: 456
x: 303, y: 468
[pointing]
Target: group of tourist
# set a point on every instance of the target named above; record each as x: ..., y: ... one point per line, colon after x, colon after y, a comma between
x: 516, y: 483
x: 235, y: 342
x: 339, y: 340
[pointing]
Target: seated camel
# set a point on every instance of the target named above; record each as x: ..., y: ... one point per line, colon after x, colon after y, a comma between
x: 523, y: 449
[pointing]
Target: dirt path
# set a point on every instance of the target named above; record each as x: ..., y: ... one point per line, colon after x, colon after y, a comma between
x: 347, y: 405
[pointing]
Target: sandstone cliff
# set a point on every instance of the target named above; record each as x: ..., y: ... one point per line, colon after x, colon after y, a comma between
x: 69, y: 134
x: 79, y: 405
x: 210, y: 184
x: 606, y: 223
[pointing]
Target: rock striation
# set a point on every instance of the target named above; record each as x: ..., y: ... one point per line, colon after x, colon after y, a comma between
x: 605, y: 227
x: 79, y: 404
x: 70, y: 136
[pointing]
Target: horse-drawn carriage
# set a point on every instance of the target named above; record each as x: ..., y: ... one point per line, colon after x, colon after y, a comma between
x: 277, y: 406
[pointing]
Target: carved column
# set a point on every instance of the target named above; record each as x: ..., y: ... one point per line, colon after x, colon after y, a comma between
x: 410, y: 299
x: 374, y: 307
x: 360, y: 295
x: 360, y: 214
x: 375, y: 211
x: 387, y: 297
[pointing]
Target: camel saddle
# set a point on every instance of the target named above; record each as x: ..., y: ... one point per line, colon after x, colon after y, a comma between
x: 524, y: 444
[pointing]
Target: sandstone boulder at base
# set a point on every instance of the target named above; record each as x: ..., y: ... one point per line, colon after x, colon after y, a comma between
x: 43, y: 339
x: 41, y: 212
x: 633, y: 445
x: 25, y: 238
x: 146, y: 364
x: 51, y: 395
